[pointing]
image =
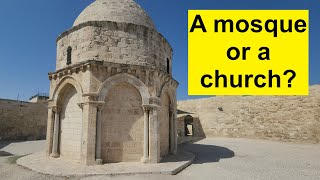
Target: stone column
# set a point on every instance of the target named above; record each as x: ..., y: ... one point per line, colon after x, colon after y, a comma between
x: 145, y: 157
x: 175, y: 130
x: 172, y: 132
x: 98, y: 138
x: 55, y: 143
x: 154, y: 135
x: 50, y: 129
x: 88, y: 145
x: 89, y: 134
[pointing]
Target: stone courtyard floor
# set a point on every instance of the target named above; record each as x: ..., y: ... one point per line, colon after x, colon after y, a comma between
x: 216, y: 158
x: 169, y: 165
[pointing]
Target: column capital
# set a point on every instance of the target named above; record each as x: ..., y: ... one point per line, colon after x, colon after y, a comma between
x: 155, y: 101
x: 100, y: 106
x: 146, y: 107
x: 150, y: 107
x: 97, y: 104
x: 55, y: 109
x: 91, y: 96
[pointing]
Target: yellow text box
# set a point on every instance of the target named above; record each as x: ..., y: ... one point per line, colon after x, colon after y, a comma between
x: 217, y: 31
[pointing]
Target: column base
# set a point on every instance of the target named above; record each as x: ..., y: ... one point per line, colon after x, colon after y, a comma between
x: 145, y: 160
x: 173, y: 152
x: 99, y: 161
x: 155, y: 161
x: 55, y: 155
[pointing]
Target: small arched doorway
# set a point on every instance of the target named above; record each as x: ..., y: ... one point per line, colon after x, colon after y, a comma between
x: 188, y: 125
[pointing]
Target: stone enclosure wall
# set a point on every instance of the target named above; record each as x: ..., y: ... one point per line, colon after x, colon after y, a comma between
x: 22, y: 120
x: 284, y: 118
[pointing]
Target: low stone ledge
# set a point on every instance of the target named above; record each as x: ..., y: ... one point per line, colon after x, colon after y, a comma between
x: 40, y: 163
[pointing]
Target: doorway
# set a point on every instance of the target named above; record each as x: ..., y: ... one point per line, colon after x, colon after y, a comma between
x: 188, y: 126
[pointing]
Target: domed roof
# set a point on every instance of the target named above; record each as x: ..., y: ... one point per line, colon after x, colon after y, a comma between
x: 126, y: 11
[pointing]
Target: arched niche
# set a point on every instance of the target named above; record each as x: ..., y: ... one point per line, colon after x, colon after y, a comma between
x: 124, y: 78
x: 62, y: 87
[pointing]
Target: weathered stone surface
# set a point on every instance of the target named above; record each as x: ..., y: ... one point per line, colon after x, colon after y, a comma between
x: 71, y: 126
x: 114, y: 42
x: 164, y: 124
x: 112, y: 68
x: 171, y: 165
x: 284, y: 118
x: 22, y: 120
x: 122, y: 125
x: 197, y: 127
x: 116, y: 11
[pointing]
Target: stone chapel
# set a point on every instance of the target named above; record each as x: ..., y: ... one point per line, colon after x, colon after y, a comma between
x: 112, y: 96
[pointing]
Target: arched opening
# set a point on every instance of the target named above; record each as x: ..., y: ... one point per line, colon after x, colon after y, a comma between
x: 122, y: 124
x: 69, y: 55
x: 188, y: 125
x: 165, y: 125
x: 70, y: 124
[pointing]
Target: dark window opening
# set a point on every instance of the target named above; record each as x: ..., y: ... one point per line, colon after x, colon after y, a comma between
x: 69, y: 55
x: 168, y: 66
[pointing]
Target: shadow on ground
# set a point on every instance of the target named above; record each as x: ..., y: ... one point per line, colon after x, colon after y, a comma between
x: 207, y: 153
x: 4, y: 153
x: 2, y: 145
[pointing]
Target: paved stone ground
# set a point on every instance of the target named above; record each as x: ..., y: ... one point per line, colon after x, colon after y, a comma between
x: 217, y: 158
x: 170, y: 165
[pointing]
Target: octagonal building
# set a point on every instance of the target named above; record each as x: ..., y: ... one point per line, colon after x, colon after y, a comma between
x: 112, y: 96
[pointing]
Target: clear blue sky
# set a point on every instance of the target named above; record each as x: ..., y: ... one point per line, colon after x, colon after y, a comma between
x: 29, y: 29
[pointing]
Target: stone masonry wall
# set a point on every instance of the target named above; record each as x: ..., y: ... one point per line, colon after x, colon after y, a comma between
x: 164, y: 124
x: 284, y: 118
x: 71, y: 126
x: 22, y: 120
x: 114, y: 42
x: 122, y: 125
x: 197, y: 126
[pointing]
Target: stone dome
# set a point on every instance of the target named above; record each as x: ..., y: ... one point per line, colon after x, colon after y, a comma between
x: 126, y: 11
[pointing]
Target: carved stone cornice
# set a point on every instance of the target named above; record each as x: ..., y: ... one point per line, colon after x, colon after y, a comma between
x: 108, y: 24
x: 97, y: 65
